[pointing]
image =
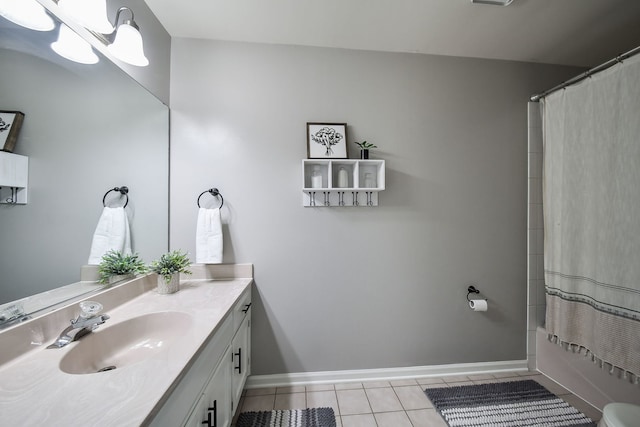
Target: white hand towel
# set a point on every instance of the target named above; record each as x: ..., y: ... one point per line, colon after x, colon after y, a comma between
x: 112, y: 232
x: 209, y: 237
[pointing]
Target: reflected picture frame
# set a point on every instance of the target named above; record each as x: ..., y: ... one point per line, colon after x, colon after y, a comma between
x: 326, y: 140
x: 10, y: 124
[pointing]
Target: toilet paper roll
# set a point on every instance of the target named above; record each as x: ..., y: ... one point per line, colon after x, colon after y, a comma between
x: 478, y: 304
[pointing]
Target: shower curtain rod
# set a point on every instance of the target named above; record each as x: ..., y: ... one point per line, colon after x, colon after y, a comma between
x: 588, y: 73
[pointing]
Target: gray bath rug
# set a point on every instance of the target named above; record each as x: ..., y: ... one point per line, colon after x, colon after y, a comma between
x: 310, y: 417
x: 516, y: 403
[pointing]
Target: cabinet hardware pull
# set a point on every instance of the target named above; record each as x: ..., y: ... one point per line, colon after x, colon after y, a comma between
x: 239, y: 367
x: 246, y: 308
x: 215, y: 415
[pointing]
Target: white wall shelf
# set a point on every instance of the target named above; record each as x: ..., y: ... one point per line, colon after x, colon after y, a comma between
x: 343, y: 182
x: 14, y: 178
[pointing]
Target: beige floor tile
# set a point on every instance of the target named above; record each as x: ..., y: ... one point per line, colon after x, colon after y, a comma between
x: 493, y: 380
x: 383, y: 400
x: 480, y: 377
x: 260, y: 391
x: 347, y: 386
x: 528, y: 373
x: 426, y: 418
x: 376, y: 384
x: 433, y: 380
x: 460, y: 383
x: 365, y: 420
x: 290, y: 401
x: 322, y: 399
x: 352, y: 402
x: 455, y: 378
x: 320, y: 387
x: 400, y: 383
x: 435, y: 385
x: 412, y: 397
x: 258, y: 403
x: 393, y: 419
x: 290, y: 389
x: 505, y: 374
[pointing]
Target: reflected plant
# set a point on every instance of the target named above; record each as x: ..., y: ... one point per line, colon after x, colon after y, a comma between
x: 114, y: 263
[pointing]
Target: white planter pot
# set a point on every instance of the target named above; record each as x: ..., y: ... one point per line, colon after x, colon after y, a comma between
x: 169, y: 287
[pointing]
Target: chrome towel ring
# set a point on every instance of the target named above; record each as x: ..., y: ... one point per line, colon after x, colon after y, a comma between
x: 215, y: 193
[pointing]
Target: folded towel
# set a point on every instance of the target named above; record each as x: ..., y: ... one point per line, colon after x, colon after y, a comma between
x: 112, y: 233
x: 209, y: 237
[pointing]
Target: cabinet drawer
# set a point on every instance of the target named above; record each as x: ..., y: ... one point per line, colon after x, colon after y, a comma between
x: 241, y: 309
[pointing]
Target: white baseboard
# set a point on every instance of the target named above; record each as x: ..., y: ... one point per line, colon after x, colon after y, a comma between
x: 386, y: 374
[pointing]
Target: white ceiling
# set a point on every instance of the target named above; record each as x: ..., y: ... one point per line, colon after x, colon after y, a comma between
x: 569, y: 32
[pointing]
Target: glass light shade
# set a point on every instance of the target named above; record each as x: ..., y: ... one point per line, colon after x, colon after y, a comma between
x: 73, y: 47
x: 127, y: 46
x: 91, y: 14
x: 27, y: 13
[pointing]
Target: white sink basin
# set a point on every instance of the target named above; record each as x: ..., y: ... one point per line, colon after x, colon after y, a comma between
x: 125, y: 343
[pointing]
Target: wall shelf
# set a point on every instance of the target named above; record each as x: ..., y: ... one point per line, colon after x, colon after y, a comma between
x: 14, y: 178
x: 344, y: 182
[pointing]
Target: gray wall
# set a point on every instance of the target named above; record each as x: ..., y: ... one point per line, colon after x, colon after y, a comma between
x: 358, y: 288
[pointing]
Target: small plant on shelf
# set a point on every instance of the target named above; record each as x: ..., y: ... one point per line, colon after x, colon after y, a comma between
x: 115, y: 263
x: 364, y: 148
x: 171, y: 263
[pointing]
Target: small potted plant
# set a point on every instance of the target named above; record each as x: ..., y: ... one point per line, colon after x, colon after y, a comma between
x: 364, y: 148
x: 115, y: 266
x: 168, y: 268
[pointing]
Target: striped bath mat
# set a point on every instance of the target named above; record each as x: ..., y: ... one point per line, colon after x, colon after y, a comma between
x: 310, y: 417
x: 515, y: 403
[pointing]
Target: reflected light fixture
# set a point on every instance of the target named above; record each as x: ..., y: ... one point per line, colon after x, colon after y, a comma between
x: 494, y: 2
x: 73, y: 47
x: 27, y: 13
x: 91, y: 14
x: 127, y: 44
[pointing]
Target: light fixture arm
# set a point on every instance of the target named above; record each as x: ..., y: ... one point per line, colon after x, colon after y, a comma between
x: 126, y: 21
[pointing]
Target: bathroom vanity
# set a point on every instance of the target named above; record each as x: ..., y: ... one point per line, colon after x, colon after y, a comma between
x: 170, y: 360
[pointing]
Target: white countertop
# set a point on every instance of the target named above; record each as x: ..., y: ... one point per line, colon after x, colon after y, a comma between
x: 34, y: 391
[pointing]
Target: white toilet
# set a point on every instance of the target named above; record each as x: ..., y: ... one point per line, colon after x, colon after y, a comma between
x: 620, y: 415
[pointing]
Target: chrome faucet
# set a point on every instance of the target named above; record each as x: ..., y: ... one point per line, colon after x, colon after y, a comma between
x: 87, y: 321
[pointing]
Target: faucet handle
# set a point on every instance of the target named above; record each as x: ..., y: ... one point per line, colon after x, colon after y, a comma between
x: 90, y: 309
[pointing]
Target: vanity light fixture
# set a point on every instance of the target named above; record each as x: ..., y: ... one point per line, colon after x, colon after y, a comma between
x: 73, y: 47
x: 27, y: 13
x: 494, y: 2
x: 127, y: 43
x: 91, y: 14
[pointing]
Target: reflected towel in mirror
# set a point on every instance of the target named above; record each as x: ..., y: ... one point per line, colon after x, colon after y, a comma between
x: 112, y: 233
x: 209, y: 237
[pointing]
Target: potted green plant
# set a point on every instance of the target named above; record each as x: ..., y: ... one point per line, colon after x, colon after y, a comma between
x: 168, y: 267
x: 364, y: 148
x: 115, y: 266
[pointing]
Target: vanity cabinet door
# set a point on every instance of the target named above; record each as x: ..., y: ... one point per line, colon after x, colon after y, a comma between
x: 241, y: 359
x: 214, y: 406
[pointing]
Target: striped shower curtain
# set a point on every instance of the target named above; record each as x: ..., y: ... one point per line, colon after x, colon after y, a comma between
x: 592, y: 217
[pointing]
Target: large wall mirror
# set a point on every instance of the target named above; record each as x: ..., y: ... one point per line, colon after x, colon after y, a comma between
x: 87, y: 129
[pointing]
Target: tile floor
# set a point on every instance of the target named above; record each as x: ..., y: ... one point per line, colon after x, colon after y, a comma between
x: 387, y: 403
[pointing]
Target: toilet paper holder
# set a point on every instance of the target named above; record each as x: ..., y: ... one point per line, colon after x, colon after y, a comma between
x: 472, y: 290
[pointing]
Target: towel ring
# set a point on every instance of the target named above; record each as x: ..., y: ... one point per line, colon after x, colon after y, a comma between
x: 215, y: 193
x: 124, y: 191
